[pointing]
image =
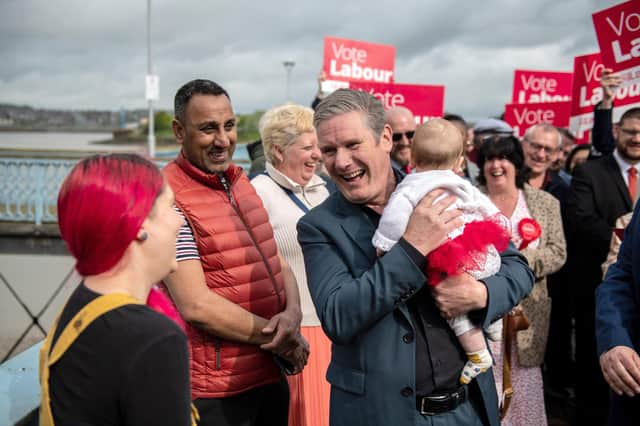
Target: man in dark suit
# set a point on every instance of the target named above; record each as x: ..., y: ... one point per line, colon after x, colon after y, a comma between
x: 395, y: 360
x: 599, y: 194
x: 617, y: 327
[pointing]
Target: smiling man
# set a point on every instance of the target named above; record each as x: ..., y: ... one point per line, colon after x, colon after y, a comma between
x: 541, y: 145
x: 395, y: 360
x: 238, y: 296
x: 403, y: 126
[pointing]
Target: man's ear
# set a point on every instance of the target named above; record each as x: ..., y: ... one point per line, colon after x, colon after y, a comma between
x: 178, y: 130
x: 386, y: 138
x: 458, y: 169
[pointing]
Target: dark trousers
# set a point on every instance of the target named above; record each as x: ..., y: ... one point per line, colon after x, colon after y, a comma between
x: 592, y: 392
x: 624, y: 410
x: 559, y: 368
x: 266, y: 405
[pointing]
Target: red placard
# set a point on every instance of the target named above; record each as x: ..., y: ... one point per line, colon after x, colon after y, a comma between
x: 618, y: 32
x: 587, y: 93
x: 425, y: 101
x: 541, y: 86
x: 522, y: 116
x: 351, y: 60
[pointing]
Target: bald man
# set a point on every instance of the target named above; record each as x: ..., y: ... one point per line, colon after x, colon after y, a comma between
x: 403, y: 126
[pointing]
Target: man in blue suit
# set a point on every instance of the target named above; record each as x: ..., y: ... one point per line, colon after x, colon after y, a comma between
x: 395, y: 360
x: 618, y: 327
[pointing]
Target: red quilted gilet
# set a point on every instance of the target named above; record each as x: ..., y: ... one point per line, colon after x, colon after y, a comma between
x: 240, y: 262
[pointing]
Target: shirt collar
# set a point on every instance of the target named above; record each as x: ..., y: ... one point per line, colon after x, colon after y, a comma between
x: 284, y: 181
x: 622, y: 163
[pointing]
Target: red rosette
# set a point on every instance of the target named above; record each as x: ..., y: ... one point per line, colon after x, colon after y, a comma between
x: 529, y: 231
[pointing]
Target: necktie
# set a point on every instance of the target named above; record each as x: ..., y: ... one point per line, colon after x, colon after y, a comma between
x: 633, y: 183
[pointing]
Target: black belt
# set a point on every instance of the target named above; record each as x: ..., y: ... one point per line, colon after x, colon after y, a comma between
x: 437, y: 403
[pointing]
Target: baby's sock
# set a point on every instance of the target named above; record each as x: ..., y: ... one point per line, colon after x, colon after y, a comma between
x: 478, y: 362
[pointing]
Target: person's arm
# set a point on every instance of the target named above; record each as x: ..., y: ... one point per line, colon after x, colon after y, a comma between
x: 602, y: 134
x: 550, y: 258
x: 347, y: 304
x: 208, y: 310
x: 285, y: 326
x: 395, y: 217
x: 320, y: 95
x: 491, y: 298
x: 617, y: 319
x: 156, y: 389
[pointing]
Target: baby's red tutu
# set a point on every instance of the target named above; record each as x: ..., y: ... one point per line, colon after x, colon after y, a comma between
x: 468, y: 251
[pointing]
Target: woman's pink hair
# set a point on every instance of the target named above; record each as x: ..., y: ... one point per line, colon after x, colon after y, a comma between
x: 101, y: 206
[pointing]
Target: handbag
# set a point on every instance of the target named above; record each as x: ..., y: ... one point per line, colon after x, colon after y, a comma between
x: 514, y: 321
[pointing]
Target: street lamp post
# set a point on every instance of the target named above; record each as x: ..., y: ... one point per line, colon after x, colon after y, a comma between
x: 151, y: 137
x: 288, y: 66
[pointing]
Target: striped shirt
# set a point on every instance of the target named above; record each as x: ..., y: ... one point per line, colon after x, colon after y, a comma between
x: 186, y: 247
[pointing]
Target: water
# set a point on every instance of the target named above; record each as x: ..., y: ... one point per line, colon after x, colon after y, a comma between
x: 60, y: 141
x: 45, y: 141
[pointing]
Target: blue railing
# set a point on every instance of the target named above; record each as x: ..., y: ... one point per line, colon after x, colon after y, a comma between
x: 29, y: 188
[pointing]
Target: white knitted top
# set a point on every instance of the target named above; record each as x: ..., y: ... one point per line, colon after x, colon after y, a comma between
x: 284, y: 215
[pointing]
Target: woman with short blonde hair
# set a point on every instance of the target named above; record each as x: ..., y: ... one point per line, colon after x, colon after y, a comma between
x: 289, y: 188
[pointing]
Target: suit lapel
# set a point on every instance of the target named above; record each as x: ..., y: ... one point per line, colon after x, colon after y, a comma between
x: 359, y: 228
x: 357, y: 225
x: 614, y: 171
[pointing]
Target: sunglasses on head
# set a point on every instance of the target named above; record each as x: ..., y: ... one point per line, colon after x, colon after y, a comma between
x: 397, y: 137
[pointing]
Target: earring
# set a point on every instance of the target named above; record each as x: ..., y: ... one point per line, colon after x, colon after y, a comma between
x: 142, y: 236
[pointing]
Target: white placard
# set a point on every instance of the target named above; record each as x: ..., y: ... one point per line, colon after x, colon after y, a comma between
x: 152, y: 92
x: 330, y: 86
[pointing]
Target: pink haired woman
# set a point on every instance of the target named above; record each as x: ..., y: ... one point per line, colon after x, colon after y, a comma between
x: 109, y: 359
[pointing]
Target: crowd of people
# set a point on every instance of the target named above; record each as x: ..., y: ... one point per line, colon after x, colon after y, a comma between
x: 367, y: 271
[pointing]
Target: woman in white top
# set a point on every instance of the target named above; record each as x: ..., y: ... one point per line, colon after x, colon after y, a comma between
x: 289, y: 188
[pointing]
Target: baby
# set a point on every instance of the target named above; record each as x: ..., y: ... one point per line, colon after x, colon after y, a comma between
x: 436, y: 153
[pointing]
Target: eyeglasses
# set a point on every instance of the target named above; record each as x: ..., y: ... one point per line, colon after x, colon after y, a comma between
x: 397, y: 137
x: 632, y: 133
x: 537, y: 147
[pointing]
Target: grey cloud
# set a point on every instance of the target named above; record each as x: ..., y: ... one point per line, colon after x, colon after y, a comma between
x: 82, y: 54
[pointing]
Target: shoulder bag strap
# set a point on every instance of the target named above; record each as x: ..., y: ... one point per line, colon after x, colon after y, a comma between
x: 78, y: 323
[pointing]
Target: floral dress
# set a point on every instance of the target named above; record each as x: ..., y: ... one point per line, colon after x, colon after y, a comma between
x: 527, y: 404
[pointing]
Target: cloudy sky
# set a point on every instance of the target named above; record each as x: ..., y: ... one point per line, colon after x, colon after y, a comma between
x: 76, y: 54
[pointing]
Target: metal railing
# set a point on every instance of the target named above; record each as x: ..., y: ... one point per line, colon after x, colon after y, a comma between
x: 29, y: 188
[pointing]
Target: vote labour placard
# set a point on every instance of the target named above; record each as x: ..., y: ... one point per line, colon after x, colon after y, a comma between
x: 522, y: 116
x: 587, y: 92
x: 351, y: 60
x: 541, y: 86
x: 425, y: 101
x: 618, y: 32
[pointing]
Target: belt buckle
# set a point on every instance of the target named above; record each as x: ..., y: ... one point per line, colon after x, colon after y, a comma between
x: 454, y: 399
x: 422, y: 410
x: 438, y: 398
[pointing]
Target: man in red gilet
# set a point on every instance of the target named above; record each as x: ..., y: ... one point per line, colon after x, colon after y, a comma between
x: 238, y: 296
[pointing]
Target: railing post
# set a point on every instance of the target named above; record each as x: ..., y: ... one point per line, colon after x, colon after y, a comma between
x: 39, y: 192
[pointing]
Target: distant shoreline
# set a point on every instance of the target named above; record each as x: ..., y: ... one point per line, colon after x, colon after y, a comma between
x: 55, y: 130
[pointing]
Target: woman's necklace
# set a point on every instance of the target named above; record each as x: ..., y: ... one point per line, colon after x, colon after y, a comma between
x: 506, y: 202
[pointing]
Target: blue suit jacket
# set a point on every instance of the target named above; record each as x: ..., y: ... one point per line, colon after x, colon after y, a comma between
x: 360, y: 300
x: 618, y: 297
x: 618, y: 313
